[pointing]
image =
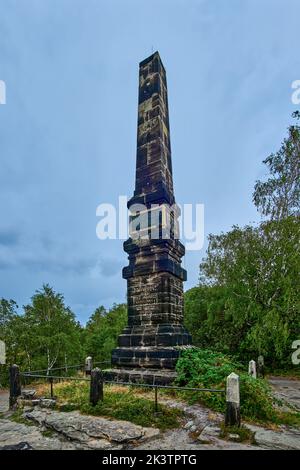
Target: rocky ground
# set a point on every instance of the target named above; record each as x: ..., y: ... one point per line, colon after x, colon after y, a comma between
x: 49, y: 429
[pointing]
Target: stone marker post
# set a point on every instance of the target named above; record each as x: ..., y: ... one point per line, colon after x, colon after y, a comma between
x: 232, y: 416
x: 2, y: 353
x: 88, y: 365
x: 261, y: 366
x: 14, y: 385
x: 252, y: 369
x: 96, y: 390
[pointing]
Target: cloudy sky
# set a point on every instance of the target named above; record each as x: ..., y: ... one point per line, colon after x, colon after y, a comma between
x: 68, y: 129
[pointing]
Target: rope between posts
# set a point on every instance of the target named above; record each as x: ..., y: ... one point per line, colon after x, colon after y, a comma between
x: 131, y: 384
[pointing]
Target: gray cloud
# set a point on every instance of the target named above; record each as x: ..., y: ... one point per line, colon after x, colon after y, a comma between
x: 9, y: 237
x: 47, y: 255
x: 110, y: 266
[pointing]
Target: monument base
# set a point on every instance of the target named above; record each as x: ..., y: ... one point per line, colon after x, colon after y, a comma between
x: 146, y: 376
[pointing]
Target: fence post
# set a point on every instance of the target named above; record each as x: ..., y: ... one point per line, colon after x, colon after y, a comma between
x: 252, y: 369
x: 232, y: 416
x: 51, y: 387
x: 155, y: 398
x: 261, y: 366
x: 88, y: 365
x: 14, y: 385
x: 96, y: 390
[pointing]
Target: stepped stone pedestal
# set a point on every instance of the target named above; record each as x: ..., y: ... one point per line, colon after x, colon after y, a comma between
x: 150, y: 345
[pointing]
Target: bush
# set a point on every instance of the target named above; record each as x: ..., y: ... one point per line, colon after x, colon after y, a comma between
x: 204, y: 368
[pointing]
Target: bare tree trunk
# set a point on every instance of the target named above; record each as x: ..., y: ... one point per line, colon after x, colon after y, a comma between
x: 66, y: 363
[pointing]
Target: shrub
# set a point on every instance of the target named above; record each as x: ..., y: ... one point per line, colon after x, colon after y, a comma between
x: 204, y: 368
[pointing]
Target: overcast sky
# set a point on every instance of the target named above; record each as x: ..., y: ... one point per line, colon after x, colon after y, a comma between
x: 68, y: 129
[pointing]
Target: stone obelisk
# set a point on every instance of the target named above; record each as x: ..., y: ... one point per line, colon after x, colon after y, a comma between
x: 150, y: 345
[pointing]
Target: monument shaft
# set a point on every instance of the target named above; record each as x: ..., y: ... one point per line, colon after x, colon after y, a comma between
x: 154, y: 275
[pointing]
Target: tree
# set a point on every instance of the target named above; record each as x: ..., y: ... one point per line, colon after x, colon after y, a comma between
x: 7, y: 312
x: 103, y: 329
x: 252, y: 274
x: 248, y: 299
x: 54, y: 334
x: 279, y: 195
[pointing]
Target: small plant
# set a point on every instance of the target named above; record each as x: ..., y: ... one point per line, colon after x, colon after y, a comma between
x: 48, y: 433
x: 288, y: 418
x: 242, y: 433
x: 17, y: 417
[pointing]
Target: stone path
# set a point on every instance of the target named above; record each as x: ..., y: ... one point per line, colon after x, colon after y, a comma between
x: 286, y: 390
x: 203, y: 428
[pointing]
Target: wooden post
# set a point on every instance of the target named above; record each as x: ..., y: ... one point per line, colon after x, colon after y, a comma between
x: 14, y: 385
x: 96, y: 390
x: 156, y: 402
x: 252, y: 369
x: 88, y: 365
x: 232, y: 416
x: 51, y: 387
x: 261, y: 367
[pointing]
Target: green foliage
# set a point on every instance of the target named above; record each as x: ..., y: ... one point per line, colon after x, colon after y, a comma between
x: 208, y: 369
x: 48, y: 433
x: 102, y: 331
x: 245, y: 435
x: 279, y: 196
x: 124, y: 405
x: 205, y: 316
x: 256, y: 399
x: 17, y: 417
x: 52, y: 330
x: 205, y: 367
x: 248, y: 303
x: 47, y: 334
x: 248, y: 300
x: 288, y: 418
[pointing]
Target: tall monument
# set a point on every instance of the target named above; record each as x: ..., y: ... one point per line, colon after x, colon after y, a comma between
x: 150, y: 345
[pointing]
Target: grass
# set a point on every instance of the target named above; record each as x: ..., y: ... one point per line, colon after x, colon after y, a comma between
x: 17, y: 417
x: 244, y: 434
x: 48, y: 433
x: 123, y: 403
x: 288, y: 419
x: 291, y: 374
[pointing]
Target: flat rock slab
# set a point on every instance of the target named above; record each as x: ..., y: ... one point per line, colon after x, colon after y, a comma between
x: 28, y: 393
x: 91, y: 431
x: 284, y: 439
x: 17, y: 436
